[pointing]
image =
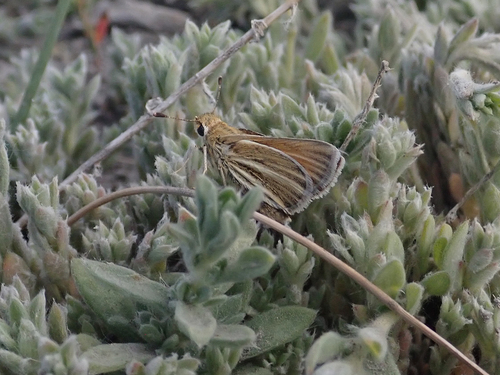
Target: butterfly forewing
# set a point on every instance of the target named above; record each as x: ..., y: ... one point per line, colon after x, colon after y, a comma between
x: 321, y: 160
x: 285, y: 182
x: 291, y: 172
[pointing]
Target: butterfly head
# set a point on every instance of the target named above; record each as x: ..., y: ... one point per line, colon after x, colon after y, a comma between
x: 208, y: 123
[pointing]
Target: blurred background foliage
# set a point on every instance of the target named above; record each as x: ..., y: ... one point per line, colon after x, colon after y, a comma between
x: 180, y: 285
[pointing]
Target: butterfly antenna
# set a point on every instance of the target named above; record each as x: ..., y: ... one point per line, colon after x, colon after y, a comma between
x: 162, y: 115
x: 219, y: 82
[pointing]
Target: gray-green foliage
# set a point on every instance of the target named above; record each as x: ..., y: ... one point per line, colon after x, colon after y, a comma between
x: 56, y: 138
x: 33, y: 339
x: 188, y: 288
x: 201, y: 308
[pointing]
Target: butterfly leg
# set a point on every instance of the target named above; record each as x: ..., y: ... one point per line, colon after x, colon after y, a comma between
x: 205, y: 159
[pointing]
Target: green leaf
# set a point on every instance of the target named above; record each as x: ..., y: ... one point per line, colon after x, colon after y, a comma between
x: 113, y: 357
x: 251, y: 370
x: 4, y: 163
x: 232, y: 305
x: 318, y: 36
x: 290, y: 106
x: 424, y: 243
x: 86, y: 341
x: 453, y: 255
x: 375, y: 336
x: 391, y: 278
x: 441, y: 47
x: 438, y: 251
x: 389, y: 33
x: 37, y: 310
x: 329, y: 345
x: 375, y: 341
x: 249, y: 203
x: 111, y: 290
x: 479, y: 280
x: 151, y: 334
x: 227, y: 232
x: 232, y: 336
x: 378, y: 191
x: 17, y: 312
x: 330, y: 61
x: 207, y: 203
x: 481, y: 259
x: 27, y: 339
x: 54, y: 28
x: 393, y: 247
x: 6, y: 225
x: 16, y: 364
x: 277, y: 327
x: 414, y: 294
x: 252, y: 262
x: 437, y: 284
x: 466, y: 32
x: 6, y: 339
x: 196, y: 322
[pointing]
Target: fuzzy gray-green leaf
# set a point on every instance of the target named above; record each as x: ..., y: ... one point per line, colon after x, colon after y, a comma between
x: 329, y: 345
x: 196, y: 322
x: 278, y: 326
x: 232, y: 336
x: 437, y: 284
x: 252, y: 262
x: 414, y: 294
x: 391, y: 278
x: 317, y: 38
x: 113, y: 357
x: 111, y: 290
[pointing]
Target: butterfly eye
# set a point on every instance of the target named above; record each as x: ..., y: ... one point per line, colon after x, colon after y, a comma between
x: 200, y: 130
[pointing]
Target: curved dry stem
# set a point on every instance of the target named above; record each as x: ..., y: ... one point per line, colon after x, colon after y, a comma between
x: 136, y: 190
x: 315, y: 248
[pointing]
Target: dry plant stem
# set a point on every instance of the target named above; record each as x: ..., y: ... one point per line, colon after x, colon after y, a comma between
x: 361, y: 117
x: 255, y: 33
x: 318, y: 250
x: 452, y: 214
x: 125, y: 193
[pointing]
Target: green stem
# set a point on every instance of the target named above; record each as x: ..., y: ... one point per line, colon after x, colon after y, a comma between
x: 41, y: 64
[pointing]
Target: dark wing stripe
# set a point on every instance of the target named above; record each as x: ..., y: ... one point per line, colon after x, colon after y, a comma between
x: 324, y: 165
x: 285, y: 182
x: 321, y: 160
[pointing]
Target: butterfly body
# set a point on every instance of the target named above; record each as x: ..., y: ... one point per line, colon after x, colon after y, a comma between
x: 292, y: 172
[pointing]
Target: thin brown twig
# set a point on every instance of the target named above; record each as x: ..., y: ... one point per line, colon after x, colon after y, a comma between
x: 255, y: 32
x: 125, y: 193
x: 315, y: 248
x: 361, y: 117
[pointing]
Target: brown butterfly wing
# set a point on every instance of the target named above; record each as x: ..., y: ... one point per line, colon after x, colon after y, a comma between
x: 285, y: 182
x: 322, y: 161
